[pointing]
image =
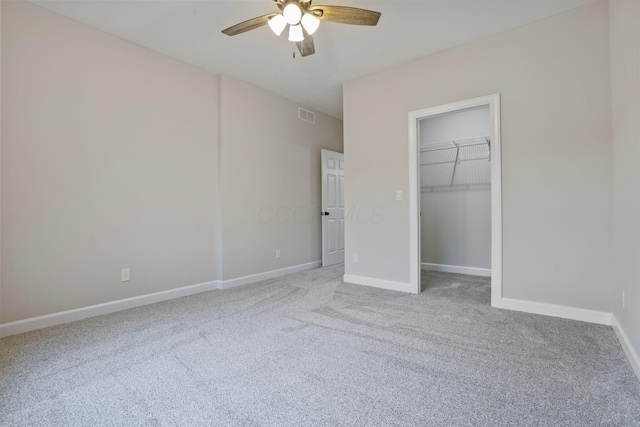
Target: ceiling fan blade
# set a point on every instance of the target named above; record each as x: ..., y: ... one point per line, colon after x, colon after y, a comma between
x: 306, y: 46
x: 346, y: 15
x: 251, y: 24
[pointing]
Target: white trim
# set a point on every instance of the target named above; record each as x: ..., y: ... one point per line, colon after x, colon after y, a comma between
x: 493, y: 101
x: 33, y: 323
x: 219, y: 213
x: 473, y: 271
x: 625, y: 343
x: 565, y: 312
x: 496, y: 201
x: 377, y: 283
x: 414, y: 202
x: 245, y: 280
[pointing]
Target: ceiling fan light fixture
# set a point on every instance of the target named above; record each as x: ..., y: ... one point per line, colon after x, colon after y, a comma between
x: 310, y: 23
x: 292, y: 13
x: 277, y: 24
x: 303, y: 20
x: 295, y: 33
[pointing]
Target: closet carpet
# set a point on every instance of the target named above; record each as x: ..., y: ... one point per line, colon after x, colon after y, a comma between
x: 307, y: 349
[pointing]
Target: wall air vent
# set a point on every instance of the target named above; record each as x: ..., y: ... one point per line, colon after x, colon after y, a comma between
x: 306, y: 115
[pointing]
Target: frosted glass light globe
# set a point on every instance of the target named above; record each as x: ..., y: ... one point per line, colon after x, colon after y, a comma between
x: 277, y: 24
x: 295, y: 33
x: 292, y: 13
x: 310, y: 23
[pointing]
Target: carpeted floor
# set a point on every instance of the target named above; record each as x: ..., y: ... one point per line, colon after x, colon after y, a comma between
x: 308, y: 349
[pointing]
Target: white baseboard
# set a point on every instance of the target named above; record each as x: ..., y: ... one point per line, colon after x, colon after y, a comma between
x: 33, y: 323
x: 232, y: 283
x: 631, y: 353
x: 592, y: 316
x: 377, y: 283
x: 473, y: 271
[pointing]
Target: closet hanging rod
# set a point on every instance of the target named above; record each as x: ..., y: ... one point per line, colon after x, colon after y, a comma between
x: 422, y: 150
x: 456, y: 143
x: 438, y: 188
x: 453, y: 161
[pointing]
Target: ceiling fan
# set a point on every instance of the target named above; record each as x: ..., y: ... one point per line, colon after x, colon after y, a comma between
x: 303, y: 20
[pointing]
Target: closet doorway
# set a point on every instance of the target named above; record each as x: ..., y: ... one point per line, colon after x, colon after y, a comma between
x: 455, y: 194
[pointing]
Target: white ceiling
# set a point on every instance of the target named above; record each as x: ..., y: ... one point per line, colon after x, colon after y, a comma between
x: 407, y: 30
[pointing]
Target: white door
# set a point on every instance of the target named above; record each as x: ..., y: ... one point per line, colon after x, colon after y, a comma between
x: 332, y: 207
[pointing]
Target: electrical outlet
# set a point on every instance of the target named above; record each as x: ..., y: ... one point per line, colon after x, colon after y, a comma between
x: 125, y: 274
x: 623, y: 299
x: 278, y: 253
x: 355, y: 257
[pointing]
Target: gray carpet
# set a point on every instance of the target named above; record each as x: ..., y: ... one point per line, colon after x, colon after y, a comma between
x: 308, y: 349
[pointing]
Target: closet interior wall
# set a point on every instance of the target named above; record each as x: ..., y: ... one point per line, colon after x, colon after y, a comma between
x: 455, y: 196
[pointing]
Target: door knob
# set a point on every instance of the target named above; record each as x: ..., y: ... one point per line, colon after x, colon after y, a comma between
x: 324, y: 213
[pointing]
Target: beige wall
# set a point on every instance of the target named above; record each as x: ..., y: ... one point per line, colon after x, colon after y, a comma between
x: 553, y: 77
x: 270, y: 180
x: 108, y: 161
x: 113, y: 157
x: 624, y: 18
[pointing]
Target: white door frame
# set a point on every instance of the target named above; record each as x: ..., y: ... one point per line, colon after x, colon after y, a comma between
x: 493, y: 101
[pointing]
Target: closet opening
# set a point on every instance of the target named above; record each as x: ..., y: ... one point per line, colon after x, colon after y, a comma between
x: 455, y: 198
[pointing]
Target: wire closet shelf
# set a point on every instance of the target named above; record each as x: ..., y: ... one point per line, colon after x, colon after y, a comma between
x: 460, y: 164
